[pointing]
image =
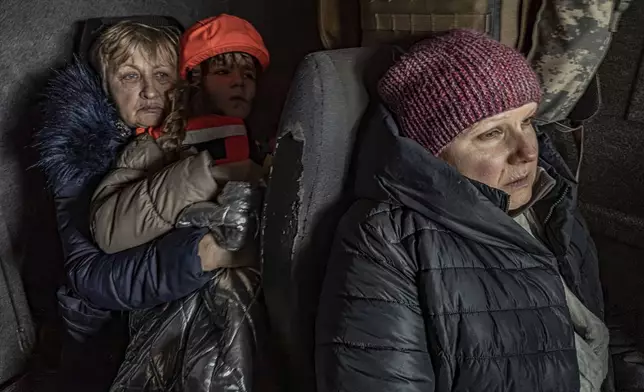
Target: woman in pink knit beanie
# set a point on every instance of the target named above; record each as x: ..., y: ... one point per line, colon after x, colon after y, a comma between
x: 464, y: 264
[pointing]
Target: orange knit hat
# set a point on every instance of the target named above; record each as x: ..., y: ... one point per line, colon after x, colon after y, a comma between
x: 217, y: 35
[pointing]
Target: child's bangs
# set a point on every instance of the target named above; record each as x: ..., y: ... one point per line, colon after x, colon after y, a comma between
x: 232, y: 59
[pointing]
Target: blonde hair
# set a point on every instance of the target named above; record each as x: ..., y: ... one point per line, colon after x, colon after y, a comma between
x: 119, y: 42
x: 174, y: 126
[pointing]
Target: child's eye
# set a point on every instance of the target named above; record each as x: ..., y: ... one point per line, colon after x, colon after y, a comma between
x: 527, y: 121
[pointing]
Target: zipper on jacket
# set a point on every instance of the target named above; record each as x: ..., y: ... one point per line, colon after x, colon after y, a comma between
x: 555, y: 204
x: 506, y: 205
x: 124, y: 130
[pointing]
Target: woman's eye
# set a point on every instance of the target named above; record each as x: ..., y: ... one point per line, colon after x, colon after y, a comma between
x: 250, y: 76
x: 130, y: 77
x: 527, y: 122
x: 492, y: 134
x: 221, y: 72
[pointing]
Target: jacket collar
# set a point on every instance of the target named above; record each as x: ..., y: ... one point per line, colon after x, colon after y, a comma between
x: 543, y: 185
x: 412, y: 177
x: 81, y: 132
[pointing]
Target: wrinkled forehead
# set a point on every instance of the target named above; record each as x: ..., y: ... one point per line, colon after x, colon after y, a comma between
x: 518, y: 114
x: 143, y: 55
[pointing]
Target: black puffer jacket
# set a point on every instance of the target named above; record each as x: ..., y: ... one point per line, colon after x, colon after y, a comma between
x: 431, y: 286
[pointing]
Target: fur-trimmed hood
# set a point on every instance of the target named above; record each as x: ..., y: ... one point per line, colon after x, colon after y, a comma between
x: 81, y: 132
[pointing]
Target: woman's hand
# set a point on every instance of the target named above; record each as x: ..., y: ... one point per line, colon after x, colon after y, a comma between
x: 210, y: 253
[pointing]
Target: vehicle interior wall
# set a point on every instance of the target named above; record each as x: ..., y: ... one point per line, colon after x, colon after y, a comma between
x: 612, y: 176
x: 37, y: 37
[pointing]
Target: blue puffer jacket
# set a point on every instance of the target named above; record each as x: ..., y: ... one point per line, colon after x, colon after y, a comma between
x: 79, y: 139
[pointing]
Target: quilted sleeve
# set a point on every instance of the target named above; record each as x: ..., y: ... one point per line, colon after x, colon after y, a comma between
x: 370, y: 332
x: 132, y: 207
x: 157, y: 272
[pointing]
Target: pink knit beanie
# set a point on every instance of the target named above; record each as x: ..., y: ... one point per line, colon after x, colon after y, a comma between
x: 446, y: 84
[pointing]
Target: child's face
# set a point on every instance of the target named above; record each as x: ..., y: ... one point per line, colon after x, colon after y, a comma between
x: 228, y: 85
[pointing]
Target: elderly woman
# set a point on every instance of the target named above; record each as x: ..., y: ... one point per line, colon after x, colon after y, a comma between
x: 464, y: 265
x: 202, y: 335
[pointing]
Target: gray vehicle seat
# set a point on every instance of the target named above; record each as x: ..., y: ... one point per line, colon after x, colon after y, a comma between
x: 308, y: 192
x: 308, y: 195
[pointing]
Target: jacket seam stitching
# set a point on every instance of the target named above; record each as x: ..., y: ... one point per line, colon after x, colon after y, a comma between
x: 432, y: 229
x: 532, y: 308
x: 398, y: 241
x: 379, y: 260
x: 436, y: 230
x: 511, y: 355
x: 371, y: 347
x: 389, y: 301
x: 153, y: 203
x: 380, y: 212
x: 427, y: 269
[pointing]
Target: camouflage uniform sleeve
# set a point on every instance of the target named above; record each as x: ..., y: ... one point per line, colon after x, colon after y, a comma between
x: 569, y: 43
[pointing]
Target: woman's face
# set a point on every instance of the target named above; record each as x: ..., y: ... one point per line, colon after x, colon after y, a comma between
x: 139, y: 87
x: 229, y: 87
x: 501, y: 152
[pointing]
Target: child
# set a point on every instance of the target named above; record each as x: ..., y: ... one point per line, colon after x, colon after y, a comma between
x: 198, y: 168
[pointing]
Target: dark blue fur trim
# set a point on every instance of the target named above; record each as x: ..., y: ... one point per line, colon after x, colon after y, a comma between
x: 81, y: 133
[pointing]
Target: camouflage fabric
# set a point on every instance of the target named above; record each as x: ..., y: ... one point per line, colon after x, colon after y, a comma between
x: 570, y: 41
x: 622, y: 6
x: 566, y: 40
